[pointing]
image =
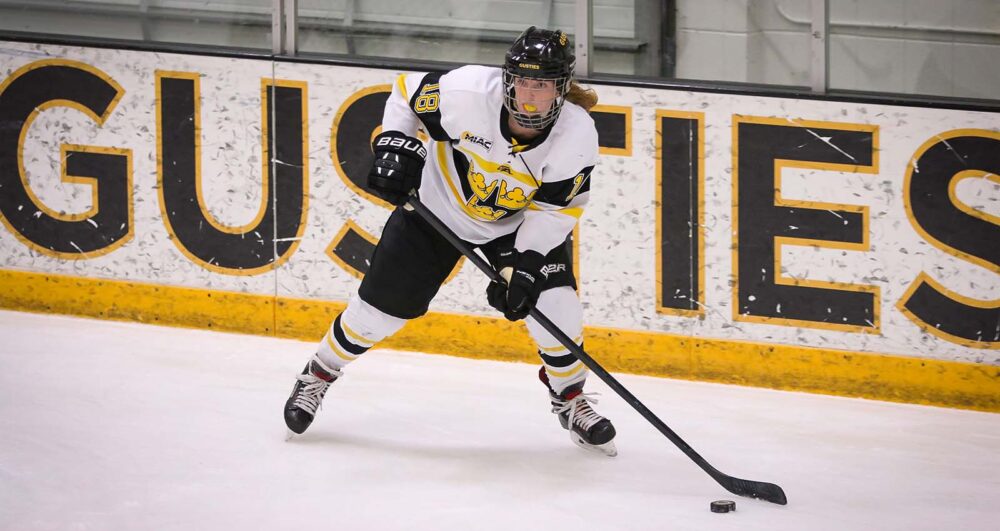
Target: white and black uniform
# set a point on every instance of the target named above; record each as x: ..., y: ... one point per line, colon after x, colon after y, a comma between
x: 493, y: 192
x: 478, y: 179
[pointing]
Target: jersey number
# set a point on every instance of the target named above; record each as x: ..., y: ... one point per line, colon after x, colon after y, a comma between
x: 577, y: 184
x: 427, y: 100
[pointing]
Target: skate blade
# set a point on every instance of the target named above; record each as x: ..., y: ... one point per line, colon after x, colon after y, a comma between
x: 607, y: 449
x: 290, y: 435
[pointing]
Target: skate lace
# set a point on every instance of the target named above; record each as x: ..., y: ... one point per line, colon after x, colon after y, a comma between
x: 310, y: 397
x: 579, y: 410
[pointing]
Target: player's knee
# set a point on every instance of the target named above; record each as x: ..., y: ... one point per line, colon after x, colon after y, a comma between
x: 562, y: 306
x: 368, y: 321
x: 560, y: 301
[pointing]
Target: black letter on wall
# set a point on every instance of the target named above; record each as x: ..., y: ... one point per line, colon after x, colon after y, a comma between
x: 108, y: 223
x: 614, y: 129
x: 680, y: 155
x: 763, y: 221
x: 933, y: 172
x: 276, y: 231
x: 351, y: 148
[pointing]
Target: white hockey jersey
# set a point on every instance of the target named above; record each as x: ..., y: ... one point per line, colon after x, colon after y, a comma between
x: 478, y: 179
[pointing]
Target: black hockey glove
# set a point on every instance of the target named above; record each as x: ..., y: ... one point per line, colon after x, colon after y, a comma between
x: 519, y: 296
x: 399, y: 161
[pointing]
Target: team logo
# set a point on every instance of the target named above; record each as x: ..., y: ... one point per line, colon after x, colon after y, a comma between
x: 478, y: 140
x: 491, y: 201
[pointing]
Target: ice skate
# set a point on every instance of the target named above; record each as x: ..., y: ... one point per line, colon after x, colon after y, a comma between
x: 588, y: 429
x: 307, y: 395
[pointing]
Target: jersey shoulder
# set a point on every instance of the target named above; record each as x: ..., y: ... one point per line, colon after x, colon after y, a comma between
x: 576, y: 119
x: 575, y: 134
x: 470, y: 96
x: 471, y: 78
x: 446, y: 102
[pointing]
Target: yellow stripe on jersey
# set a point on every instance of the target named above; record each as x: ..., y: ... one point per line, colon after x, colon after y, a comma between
x: 517, y: 147
x: 494, y: 167
x: 442, y: 152
x: 576, y: 212
x: 443, y: 162
x: 401, y: 83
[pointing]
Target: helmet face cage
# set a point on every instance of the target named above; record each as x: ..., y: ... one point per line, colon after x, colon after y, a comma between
x: 533, y: 121
x: 539, y: 55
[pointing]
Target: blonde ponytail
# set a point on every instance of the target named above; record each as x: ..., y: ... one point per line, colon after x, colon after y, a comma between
x: 584, y: 97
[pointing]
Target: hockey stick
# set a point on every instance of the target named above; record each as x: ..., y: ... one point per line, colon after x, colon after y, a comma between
x: 742, y: 487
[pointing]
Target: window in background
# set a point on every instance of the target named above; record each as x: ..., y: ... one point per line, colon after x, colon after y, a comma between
x: 458, y: 31
x: 228, y: 23
x: 633, y: 37
x: 760, y: 41
x: 463, y: 31
x: 929, y: 47
x: 924, y: 47
x: 743, y: 41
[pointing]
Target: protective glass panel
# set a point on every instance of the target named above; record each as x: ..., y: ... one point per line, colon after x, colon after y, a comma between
x: 229, y: 23
x: 916, y: 46
x: 765, y: 41
x: 459, y: 31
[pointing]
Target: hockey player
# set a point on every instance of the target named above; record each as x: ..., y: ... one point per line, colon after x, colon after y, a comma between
x: 507, y: 168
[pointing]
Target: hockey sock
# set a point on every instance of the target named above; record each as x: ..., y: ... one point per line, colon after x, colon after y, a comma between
x: 357, y: 329
x: 563, y: 307
x: 562, y: 368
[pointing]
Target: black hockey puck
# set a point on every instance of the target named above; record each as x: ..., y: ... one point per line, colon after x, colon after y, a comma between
x: 722, y: 506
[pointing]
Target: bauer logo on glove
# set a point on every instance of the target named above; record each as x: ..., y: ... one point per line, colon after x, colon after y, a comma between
x: 407, y: 143
x: 399, y: 163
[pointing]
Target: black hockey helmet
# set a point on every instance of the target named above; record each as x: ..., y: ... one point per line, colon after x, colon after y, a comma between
x: 538, y: 54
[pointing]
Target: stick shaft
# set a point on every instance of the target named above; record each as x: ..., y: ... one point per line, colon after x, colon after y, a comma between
x: 754, y: 489
x: 563, y: 339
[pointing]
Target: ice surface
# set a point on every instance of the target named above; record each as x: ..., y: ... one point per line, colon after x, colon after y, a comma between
x: 125, y: 426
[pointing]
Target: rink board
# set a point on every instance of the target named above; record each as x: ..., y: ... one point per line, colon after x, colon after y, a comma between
x: 827, y: 246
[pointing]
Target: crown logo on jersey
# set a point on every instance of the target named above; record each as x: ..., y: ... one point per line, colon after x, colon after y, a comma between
x: 492, y: 201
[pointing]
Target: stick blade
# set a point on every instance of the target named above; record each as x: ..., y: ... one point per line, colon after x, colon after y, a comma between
x: 755, y: 489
